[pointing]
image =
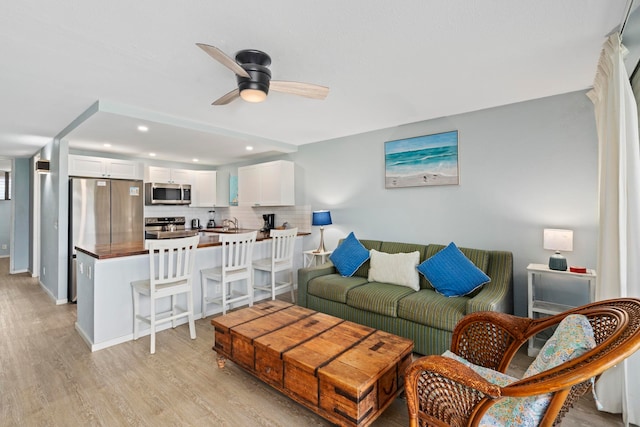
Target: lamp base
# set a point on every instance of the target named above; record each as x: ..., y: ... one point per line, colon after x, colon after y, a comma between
x: 557, y: 262
x: 321, y: 248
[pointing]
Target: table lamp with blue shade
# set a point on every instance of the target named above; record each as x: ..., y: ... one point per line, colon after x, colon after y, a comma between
x: 321, y: 218
x: 558, y: 240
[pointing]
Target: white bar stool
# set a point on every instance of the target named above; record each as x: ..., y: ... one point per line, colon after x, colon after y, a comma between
x: 282, y: 247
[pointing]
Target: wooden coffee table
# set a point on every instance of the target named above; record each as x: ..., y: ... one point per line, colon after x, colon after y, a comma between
x: 345, y: 372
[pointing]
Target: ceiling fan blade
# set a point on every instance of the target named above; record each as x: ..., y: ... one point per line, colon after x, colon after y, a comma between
x: 223, y: 58
x: 225, y: 99
x: 303, y: 89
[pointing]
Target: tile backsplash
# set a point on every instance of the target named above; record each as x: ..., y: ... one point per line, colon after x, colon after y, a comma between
x: 248, y: 217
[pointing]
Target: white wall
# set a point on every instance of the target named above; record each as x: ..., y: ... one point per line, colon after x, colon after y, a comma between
x: 523, y: 167
x: 54, y: 190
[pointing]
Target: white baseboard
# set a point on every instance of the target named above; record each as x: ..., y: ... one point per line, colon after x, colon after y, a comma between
x: 129, y: 337
x: 51, y: 296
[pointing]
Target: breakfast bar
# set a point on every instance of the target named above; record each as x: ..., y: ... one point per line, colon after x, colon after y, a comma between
x: 105, y: 273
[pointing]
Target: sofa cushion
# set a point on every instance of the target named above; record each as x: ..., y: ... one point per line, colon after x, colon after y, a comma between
x: 381, y: 298
x: 479, y: 257
x: 334, y: 287
x: 395, y: 269
x: 572, y: 338
x: 451, y: 273
x: 428, y: 307
x: 363, y: 271
x: 398, y: 247
x: 349, y: 256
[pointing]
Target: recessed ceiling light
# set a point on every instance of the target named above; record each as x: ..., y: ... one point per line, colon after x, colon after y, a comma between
x: 152, y: 154
x: 195, y: 160
x: 249, y: 148
x: 106, y: 144
x: 143, y: 128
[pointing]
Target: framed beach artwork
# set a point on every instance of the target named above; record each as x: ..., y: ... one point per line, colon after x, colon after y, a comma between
x: 422, y: 160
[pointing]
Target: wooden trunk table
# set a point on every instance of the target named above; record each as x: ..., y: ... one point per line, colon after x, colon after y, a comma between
x: 345, y: 372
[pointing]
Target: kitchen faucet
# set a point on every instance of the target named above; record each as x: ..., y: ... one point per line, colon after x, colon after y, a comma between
x: 233, y: 221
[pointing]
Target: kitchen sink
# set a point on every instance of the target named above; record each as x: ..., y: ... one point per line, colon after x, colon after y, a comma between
x: 226, y: 230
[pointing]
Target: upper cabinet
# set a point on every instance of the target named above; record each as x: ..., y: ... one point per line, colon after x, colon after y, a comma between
x: 204, y: 192
x: 266, y: 184
x: 102, y: 167
x: 172, y: 176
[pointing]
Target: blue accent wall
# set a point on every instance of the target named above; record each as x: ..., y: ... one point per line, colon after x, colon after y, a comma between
x: 22, y: 216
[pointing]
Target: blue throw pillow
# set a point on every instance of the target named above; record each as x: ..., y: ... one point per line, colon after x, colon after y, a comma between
x: 349, y: 256
x: 451, y: 273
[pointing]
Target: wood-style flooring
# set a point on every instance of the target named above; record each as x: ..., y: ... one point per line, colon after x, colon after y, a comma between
x: 48, y: 376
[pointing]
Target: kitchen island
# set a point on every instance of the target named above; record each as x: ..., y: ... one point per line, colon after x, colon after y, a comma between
x: 105, y: 273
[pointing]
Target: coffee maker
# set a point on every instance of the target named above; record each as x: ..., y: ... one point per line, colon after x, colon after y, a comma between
x: 269, y: 222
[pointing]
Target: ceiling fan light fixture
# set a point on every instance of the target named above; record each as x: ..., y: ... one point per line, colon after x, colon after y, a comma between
x: 251, y: 68
x: 253, y: 95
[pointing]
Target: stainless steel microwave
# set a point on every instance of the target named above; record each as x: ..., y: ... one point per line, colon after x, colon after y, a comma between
x: 161, y: 193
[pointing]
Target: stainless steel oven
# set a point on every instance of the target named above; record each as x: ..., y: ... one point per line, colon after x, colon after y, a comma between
x: 166, y: 228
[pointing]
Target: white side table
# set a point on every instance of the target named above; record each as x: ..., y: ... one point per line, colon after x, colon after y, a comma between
x: 539, y: 306
x: 311, y: 257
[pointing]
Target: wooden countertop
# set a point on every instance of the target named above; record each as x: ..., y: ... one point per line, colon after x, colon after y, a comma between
x: 118, y: 250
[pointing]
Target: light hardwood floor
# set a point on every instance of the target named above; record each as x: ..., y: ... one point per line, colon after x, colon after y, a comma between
x: 48, y: 376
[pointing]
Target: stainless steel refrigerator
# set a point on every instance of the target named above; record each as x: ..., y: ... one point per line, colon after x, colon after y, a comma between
x: 102, y: 211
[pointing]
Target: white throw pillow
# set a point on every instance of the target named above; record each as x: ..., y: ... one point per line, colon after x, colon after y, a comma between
x: 396, y: 269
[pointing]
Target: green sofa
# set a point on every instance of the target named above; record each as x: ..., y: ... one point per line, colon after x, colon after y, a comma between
x: 426, y: 317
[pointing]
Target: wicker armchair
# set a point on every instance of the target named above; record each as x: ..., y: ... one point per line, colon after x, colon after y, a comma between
x: 442, y: 392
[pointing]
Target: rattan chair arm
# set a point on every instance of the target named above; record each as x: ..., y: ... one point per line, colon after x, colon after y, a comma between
x: 459, y: 390
x: 490, y: 339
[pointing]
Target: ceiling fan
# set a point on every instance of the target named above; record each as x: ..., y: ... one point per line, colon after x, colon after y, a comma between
x: 254, y: 77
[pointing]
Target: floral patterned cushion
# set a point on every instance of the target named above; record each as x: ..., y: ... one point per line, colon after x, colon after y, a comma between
x: 572, y: 338
x: 510, y: 411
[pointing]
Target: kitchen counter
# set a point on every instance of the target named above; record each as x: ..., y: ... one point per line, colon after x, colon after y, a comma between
x: 225, y: 230
x: 118, y: 250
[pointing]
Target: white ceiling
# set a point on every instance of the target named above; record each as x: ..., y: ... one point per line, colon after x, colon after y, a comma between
x: 386, y: 63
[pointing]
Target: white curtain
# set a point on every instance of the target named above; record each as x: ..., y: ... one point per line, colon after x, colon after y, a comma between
x: 618, y: 265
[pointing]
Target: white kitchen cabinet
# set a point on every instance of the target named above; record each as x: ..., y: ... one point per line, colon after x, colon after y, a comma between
x: 172, y: 176
x: 266, y: 184
x: 103, y: 167
x: 222, y: 189
x: 203, y: 189
x: 248, y: 186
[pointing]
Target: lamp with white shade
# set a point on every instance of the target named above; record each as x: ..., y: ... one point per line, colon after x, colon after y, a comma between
x: 558, y: 240
x: 321, y: 218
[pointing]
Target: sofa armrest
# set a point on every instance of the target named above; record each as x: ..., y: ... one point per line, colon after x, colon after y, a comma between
x: 496, y: 295
x: 306, y: 274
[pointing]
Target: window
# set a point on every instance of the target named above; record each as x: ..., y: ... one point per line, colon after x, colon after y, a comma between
x: 5, y: 185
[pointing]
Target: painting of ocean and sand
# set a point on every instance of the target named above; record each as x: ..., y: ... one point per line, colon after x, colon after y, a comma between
x: 423, y: 160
